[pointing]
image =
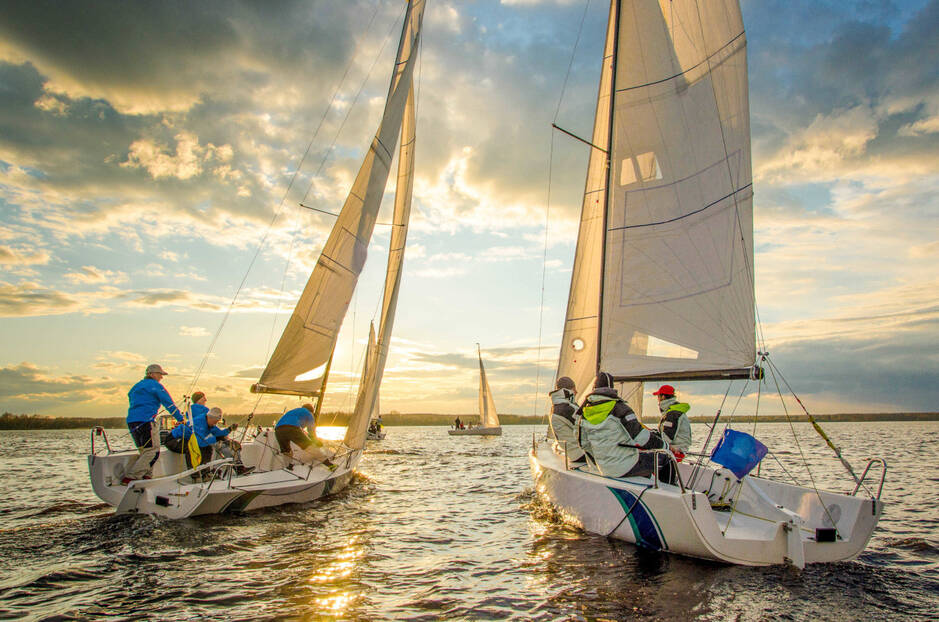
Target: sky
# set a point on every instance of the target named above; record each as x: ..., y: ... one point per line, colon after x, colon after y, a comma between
x: 146, y: 149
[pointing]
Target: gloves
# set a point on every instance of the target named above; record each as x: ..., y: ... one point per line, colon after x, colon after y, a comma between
x: 233, y: 427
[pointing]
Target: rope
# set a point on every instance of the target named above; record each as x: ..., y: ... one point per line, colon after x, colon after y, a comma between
x: 547, y: 212
x: 799, y: 446
x: 270, y: 225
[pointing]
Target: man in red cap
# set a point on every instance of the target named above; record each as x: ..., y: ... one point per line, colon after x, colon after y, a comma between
x: 674, y: 426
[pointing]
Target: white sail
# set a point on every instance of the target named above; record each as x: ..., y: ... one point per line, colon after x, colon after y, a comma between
x: 298, y: 363
x: 678, y: 274
x: 371, y: 352
x: 488, y: 418
x: 367, y: 401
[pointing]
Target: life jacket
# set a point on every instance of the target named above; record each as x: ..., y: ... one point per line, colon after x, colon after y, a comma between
x: 563, y: 422
x: 681, y: 436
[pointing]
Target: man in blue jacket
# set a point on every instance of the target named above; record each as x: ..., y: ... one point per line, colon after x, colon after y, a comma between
x: 208, y: 434
x: 290, y: 427
x: 145, y: 398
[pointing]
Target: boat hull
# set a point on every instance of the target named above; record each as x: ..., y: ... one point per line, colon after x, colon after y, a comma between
x: 476, y: 432
x: 177, y: 496
x: 757, y: 533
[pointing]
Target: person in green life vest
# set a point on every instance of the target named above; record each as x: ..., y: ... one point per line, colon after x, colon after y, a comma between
x: 612, y: 435
x: 674, y: 426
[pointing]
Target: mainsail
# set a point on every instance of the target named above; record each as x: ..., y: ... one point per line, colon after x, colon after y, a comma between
x: 299, y: 362
x: 487, y: 406
x: 674, y: 285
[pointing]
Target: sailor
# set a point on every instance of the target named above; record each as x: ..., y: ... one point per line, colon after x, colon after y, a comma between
x: 457, y: 424
x: 378, y: 423
x: 563, y: 418
x: 610, y: 432
x: 145, y: 399
x: 674, y: 426
x: 208, y: 434
x: 291, y: 428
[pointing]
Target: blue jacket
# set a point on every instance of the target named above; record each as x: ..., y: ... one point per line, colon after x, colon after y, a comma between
x: 145, y: 399
x: 206, y: 435
x: 300, y: 417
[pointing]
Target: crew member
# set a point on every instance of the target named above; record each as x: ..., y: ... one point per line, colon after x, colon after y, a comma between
x: 610, y: 432
x: 563, y: 418
x: 208, y: 434
x: 674, y: 426
x: 292, y: 427
x: 145, y: 399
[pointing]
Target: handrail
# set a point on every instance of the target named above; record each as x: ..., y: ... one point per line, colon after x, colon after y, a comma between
x: 883, y: 475
x: 99, y: 431
x: 655, y: 467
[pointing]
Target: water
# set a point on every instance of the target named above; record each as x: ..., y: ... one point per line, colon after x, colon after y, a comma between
x: 440, y: 527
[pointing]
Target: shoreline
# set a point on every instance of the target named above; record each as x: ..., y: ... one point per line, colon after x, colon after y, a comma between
x: 10, y: 421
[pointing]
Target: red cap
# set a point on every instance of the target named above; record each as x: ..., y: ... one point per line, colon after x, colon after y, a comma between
x: 665, y: 389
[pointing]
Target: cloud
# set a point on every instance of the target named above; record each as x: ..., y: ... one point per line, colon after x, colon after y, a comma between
x: 193, y: 331
x: 30, y: 299
x: 11, y: 256
x: 27, y: 381
x: 89, y: 275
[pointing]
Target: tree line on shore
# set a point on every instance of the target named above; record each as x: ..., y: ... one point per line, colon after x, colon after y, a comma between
x: 10, y: 421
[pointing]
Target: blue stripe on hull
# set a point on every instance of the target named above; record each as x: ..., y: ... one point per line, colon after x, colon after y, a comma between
x: 641, y: 521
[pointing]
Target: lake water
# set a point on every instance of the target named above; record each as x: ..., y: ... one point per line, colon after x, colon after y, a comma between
x: 439, y: 527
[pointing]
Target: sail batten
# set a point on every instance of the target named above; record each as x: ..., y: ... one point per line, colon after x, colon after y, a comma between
x: 310, y: 336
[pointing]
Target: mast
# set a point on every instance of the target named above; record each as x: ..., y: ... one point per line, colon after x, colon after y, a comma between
x: 609, y: 172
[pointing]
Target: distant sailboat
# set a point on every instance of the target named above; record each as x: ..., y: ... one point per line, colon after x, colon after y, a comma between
x: 662, y: 289
x: 488, y: 418
x: 301, y: 361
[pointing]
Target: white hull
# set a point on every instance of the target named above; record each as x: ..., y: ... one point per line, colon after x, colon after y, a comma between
x: 172, y: 493
x: 476, y: 432
x: 773, y: 523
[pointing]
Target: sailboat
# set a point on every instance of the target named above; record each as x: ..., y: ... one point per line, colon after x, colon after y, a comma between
x: 488, y: 418
x: 299, y: 365
x: 662, y: 289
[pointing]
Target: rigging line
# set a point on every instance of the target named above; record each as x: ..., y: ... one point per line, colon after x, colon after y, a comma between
x: 707, y: 441
x: 570, y: 63
x: 799, y: 446
x: 817, y: 427
x: 681, y: 73
x: 358, y: 93
x: 691, y: 213
x: 334, y: 215
x: 332, y: 100
x: 270, y: 225
x: 544, y: 271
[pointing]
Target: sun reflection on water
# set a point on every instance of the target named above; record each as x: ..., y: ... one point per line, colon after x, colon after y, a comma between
x: 330, y: 432
x: 337, y: 571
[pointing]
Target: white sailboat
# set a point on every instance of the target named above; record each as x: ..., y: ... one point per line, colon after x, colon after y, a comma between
x: 662, y: 290
x: 488, y: 418
x: 300, y: 363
